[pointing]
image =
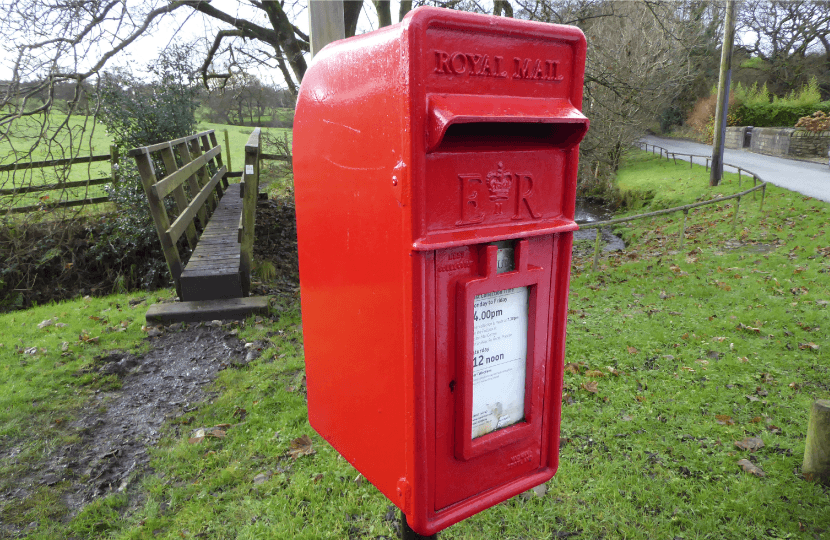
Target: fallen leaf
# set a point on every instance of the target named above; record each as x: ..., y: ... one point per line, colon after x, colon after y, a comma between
x: 216, y: 433
x: 752, y: 398
x: 751, y: 468
x: 590, y: 386
x: 719, y: 338
x: 632, y: 350
x: 627, y: 418
x: 750, y: 443
x: 301, y: 446
x: 594, y: 373
x: 684, y: 368
x: 317, y: 478
x: 568, y: 399
x: 570, y: 367
x: 724, y: 419
x: 640, y: 398
x: 614, y: 371
x: 812, y: 346
x: 757, y: 419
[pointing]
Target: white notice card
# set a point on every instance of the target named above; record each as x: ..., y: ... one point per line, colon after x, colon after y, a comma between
x: 499, y: 359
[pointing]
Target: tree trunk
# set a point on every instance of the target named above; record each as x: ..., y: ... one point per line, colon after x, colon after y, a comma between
x: 502, y: 7
x: 351, y: 12
x: 384, y: 12
x: 406, y: 7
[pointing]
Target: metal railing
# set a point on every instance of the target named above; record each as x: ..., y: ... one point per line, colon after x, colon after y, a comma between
x: 598, y: 225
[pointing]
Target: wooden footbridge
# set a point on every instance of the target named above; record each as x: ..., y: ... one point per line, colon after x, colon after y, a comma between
x: 195, y: 208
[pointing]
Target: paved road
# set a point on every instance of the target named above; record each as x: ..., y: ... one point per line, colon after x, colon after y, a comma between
x: 811, y: 179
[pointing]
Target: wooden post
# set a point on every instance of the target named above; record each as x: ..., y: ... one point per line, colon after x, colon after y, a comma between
x: 209, y: 141
x: 763, y: 195
x: 325, y: 20
x: 674, y: 156
x: 739, y: 177
x: 228, y: 150
x: 754, y: 184
x: 816, y: 466
x: 116, y: 175
x: 596, y: 247
x: 192, y: 181
x: 213, y: 201
x: 683, y: 229
x: 735, y: 219
x: 707, y: 164
x: 250, y: 176
x: 178, y: 194
x: 691, y: 160
x: 162, y: 222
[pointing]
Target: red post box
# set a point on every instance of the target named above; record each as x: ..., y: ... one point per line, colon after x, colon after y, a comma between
x: 435, y: 172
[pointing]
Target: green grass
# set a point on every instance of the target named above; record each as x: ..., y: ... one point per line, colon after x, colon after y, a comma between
x: 691, y: 351
x: 238, y: 136
x: 84, y: 137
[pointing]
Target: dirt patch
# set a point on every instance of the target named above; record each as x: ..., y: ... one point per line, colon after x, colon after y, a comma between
x: 114, y: 431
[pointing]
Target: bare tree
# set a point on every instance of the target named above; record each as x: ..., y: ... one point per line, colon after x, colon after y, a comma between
x: 782, y: 34
x: 639, y: 59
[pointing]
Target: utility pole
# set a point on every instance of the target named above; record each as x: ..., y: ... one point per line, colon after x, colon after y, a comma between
x: 716, y: 173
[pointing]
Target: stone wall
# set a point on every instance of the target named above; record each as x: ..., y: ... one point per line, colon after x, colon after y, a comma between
x: 735, y: 137
x: 805, y: 143
x: 795, y: 142
x: 771, y: 141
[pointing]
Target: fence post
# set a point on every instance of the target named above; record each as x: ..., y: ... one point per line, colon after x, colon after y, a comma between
x: 763, y: 195
x: 228, y: 150
x: 674, y: 156
x: 754, y: 184
x: 250, y: 176
x: 816, y: 465
x: 691, y: 161
x: 114, y: 163
x: 707, y: 164
x: 739, y: 177
x: 596, y: 247
x: 735, y: 219
x: 683, y: 229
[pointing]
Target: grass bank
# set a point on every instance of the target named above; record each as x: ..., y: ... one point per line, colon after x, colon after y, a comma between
x: 688, y: 382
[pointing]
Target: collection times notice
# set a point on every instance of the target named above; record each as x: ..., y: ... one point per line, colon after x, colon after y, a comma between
x: 499, y: 359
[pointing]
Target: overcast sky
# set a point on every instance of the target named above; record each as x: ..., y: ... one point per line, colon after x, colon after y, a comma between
x: 185, y: 25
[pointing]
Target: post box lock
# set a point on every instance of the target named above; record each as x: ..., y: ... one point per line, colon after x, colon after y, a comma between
x: 446, y: 298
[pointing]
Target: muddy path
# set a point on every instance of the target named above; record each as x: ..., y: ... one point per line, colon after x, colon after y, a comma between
x: 114, y: 431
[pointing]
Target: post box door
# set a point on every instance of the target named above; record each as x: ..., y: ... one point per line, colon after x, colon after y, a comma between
x: 491, y: 361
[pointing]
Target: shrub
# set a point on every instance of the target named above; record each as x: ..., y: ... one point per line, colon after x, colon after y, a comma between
x: 819, y: 121
x: 136, y: 114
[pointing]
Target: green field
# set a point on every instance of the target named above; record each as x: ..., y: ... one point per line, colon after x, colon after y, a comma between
x: 673, y: 356
x: 82, y: 137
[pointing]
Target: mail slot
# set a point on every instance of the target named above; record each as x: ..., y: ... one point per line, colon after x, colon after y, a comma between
x: 435, y: 167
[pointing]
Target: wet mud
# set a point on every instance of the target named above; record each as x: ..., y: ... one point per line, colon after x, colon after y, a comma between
x: 114, y: 431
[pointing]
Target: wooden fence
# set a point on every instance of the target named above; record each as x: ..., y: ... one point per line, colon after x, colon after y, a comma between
x: 112, y: 157
x: 598, y: 225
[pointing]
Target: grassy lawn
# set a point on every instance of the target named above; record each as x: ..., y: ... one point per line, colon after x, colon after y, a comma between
x: 673, y: 356
x: 85, y: 138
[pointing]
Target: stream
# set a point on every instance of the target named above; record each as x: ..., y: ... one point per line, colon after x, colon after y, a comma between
x: 587, y: 211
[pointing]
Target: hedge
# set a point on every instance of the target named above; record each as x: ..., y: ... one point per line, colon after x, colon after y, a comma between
x: 777, y: 114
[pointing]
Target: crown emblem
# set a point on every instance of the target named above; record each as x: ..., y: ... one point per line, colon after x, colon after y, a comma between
x: 499, y: 183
